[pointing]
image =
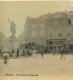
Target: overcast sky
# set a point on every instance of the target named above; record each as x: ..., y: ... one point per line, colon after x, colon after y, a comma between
x: 18, y: 11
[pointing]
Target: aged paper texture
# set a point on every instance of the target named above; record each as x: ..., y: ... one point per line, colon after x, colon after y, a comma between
x: 36, y: 40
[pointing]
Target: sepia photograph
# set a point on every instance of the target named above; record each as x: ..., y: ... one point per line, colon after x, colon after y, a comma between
x: 36, y: 40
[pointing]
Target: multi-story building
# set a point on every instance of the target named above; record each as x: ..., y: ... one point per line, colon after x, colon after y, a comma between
x: 7, y: 44
x: 52, y: 26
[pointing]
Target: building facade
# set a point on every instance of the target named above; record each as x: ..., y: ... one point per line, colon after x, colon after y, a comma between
x: 3, y: 42
x: 52, y: 26
x: 2, y: 39
x: 21, y: 39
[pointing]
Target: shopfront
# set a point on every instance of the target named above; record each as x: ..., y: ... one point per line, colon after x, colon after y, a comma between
x: 55, y: 44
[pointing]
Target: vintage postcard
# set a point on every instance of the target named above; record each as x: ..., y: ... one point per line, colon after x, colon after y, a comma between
x: 36, y: 40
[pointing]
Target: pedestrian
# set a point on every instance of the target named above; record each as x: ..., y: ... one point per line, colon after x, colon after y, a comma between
x: 17, y: 52
x: 0, y: 52
x: 23, y: 52
x: 5, y: 59
x: 62, y: 53
x: 42, y: 53
x: 5, y: 55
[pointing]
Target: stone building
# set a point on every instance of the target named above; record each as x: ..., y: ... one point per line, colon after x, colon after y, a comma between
x: 52, y: 26
x: 21, y: 39
x: 2, y: 38
x: 3, y: 42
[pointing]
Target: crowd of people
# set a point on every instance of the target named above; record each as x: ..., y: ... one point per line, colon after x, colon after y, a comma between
x: 29, y: 52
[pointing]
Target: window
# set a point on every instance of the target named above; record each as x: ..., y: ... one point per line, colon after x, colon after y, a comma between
x: 69, y: 31
x: 69, y: 21
x: 50, y: 42
x: 42, y: 25
x: 59, y: 34
x: 33, y: 34
x: 42, y: 33
x: 69, y: 34
x: 51, y: 32
x: 33, y: 26
x: 51, y: 48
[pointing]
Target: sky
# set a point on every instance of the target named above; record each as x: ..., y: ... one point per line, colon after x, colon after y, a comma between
x: 17, y: 11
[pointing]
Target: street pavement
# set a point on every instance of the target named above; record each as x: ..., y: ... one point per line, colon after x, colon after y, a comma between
x: 48, y: 67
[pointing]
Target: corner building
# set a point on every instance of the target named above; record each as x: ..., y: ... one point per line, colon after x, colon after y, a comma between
x: 52, y: 26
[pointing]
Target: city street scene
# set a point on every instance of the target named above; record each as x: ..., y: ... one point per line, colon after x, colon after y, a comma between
x: 43, y: 49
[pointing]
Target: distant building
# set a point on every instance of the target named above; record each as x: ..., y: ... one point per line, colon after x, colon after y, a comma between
x: 21, y: 39
x: 2, y: 38
x: 3, y: 42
